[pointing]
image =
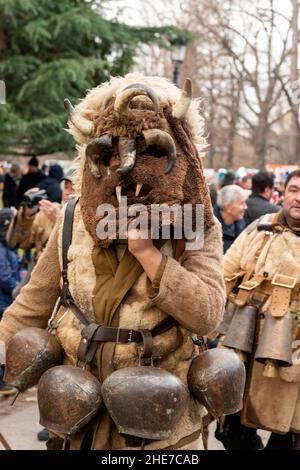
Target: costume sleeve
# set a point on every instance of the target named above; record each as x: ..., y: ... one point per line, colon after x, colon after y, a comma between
x: 35, y: 303
x: 193, y: 292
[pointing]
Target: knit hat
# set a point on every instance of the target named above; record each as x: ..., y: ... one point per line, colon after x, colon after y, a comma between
x: 56, y: 171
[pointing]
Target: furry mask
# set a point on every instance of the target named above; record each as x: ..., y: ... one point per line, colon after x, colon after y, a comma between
x: 138, y: 137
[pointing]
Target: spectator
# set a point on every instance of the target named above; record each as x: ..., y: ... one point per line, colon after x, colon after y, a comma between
x: 246, y: 182
x: 230, y: 210
x: 229, y: 179
x: 258, y: 203
x: 213, y: 194
x: 52, y: 183
x: 30, y: 179
x: 11, y: 184
x: 9, y: 278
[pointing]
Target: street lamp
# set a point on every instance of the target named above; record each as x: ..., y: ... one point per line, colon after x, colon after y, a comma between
x: 178, y: 55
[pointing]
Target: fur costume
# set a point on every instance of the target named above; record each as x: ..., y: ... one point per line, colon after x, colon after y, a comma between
x: 114, y: 290
x: 271, y: 403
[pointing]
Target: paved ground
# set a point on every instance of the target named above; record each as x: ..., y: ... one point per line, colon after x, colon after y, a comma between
x: 19, y: 424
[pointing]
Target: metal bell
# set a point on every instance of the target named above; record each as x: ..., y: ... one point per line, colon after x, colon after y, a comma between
x: 240, y: 334
x: 271, y: 369
x: 228, y: 315
x: 145, y: 401
x: 68, y: 399
x: 30, y: 352
x: 217, y: 378
x: 275, y: 341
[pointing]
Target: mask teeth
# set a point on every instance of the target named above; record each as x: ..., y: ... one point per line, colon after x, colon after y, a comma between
x: 138, y: 189
x: 119, y: 193
x: 108, y: 171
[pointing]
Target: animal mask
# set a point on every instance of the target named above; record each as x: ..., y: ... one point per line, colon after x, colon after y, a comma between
x: 138, y: 139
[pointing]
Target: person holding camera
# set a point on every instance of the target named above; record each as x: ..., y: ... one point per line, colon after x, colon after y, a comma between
x: 37, y: 215
x: 30, y: 179
x: 31, y: 226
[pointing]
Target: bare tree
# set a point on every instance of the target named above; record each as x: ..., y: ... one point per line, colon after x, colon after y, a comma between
x: 257, y: 47
x: 295, y: 129
x: 241, y: 65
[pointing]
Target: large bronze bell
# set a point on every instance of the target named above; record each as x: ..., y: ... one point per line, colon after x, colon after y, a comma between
x: 228, y: 315
x: 275, y: 343
x: 240, y: 334
x: 68, y: 398
x: 145, y: 401
x: 30, y: 352
x: 217, y: 378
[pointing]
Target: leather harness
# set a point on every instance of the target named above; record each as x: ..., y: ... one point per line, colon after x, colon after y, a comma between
x: 92, y: 333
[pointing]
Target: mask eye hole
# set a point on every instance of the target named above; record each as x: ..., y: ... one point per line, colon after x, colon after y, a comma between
x: 107, y: 152
x: 155, y: 151
x: 105, y: 157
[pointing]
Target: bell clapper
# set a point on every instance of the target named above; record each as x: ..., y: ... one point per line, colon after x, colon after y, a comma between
x: 242, y: 355
x: 270, y: 369
x: 221, y: 421
x: 4, y: 442
x: 15, y: 397
x: 65, y: 443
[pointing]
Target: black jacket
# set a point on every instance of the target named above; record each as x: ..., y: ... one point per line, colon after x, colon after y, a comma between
x: 28, y: 181
x: 10, y: 192
x: 257, y: 206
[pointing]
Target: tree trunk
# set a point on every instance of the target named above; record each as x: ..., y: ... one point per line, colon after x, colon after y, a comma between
x: 295, y: 132
x: 260, y: 144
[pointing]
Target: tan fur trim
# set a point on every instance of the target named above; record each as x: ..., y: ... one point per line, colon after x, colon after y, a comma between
x: 81, y: 272
x: 98, y: 99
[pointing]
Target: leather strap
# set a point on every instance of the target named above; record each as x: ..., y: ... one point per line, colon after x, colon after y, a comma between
x: 77, y: 312
x: 66, y: 242
x: 247, y: 285
x: 232, y: 281
x: 93, y: 334
x: 147, y: 344
x: 246, y: 289
x: 282, y: 292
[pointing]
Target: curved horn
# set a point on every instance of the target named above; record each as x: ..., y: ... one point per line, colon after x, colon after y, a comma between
x: 84, y: 125
x: 127, y: 151
x: 93, y: 153
x: 182, y: 105
x: 164, y: 141
x: 135, y: 89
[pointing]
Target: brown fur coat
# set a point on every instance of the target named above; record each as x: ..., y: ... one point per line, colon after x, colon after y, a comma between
x: 192, y: 291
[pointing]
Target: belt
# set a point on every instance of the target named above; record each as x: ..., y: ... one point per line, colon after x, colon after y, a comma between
x: 93, y: 334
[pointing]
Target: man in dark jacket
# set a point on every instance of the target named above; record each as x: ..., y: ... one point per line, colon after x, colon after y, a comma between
x: 230, y: 210
x: 9, y: 278
x: 31, y: 178
x: 52, y: 183
x: 258, y: 203
x: 11, y: 184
